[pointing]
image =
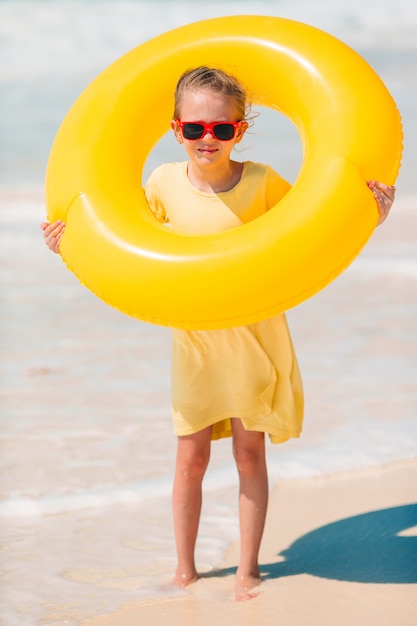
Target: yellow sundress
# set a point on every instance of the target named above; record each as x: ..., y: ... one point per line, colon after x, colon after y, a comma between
x: 248, y: 372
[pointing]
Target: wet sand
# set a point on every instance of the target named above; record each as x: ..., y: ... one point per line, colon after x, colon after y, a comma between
x: 340, y: 550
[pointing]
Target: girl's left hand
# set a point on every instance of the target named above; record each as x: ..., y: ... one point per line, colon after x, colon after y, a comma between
x: 384, y: 196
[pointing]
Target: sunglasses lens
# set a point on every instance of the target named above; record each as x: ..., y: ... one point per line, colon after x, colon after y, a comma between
x: 192, y: 131
x: 224, y: 132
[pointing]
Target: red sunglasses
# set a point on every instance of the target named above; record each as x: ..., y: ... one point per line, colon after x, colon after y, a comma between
x: 224, y: 131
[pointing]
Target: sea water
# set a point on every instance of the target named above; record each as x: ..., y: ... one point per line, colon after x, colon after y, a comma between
x: 87, y: 443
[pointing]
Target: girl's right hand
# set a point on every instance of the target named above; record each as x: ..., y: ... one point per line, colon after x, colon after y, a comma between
x: 52, y: 234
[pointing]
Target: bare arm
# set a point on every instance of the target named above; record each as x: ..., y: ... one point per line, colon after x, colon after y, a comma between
x: 384, y: 197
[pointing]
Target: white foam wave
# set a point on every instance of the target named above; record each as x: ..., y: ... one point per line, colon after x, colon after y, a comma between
x: 59, y: 503
x: 347, y: 448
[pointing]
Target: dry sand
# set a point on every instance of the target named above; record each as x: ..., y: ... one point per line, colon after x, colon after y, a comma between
x: 337, y: 551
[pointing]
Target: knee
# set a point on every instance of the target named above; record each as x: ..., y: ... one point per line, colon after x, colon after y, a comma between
x: 249, y: 460
x: 192, y: 466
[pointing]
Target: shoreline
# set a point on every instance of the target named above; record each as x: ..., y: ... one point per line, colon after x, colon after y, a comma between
x: 357, y: 351
x: 327, y: 558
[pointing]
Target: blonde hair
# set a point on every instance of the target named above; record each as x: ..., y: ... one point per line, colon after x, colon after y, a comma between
x: 216, y: 80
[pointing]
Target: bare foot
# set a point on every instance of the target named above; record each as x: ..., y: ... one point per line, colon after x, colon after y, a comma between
x: 183, y: 579
x: 179, y: 582
x: 246, y: 587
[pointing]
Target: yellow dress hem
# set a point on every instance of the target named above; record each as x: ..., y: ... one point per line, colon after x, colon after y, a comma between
x: 222, y: 428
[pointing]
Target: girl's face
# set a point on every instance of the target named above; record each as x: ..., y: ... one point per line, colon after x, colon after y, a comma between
x: 208, y: 106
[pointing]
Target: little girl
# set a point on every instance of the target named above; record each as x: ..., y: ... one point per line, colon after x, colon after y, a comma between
x: 240, y: 382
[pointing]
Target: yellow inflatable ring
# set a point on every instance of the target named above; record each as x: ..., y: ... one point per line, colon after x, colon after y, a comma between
x: 350, y: 130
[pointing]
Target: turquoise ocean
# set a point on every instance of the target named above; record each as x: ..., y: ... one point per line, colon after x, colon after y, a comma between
x: 87, y: 443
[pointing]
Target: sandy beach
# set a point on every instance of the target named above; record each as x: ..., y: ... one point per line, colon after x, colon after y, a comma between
x: 87, y: 535
x: 337, y: 551
x: 87, y: 449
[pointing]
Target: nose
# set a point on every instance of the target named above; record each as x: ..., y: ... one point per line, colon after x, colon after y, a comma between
x: 209, y: 133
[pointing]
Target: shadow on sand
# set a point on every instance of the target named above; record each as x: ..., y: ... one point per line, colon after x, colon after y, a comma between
x: 367, y: 548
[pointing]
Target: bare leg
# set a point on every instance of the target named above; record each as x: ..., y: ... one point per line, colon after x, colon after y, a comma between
x: 249, y: 453
x: 193, y: 453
